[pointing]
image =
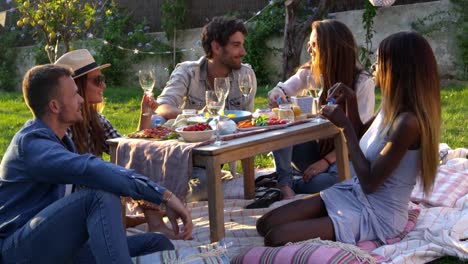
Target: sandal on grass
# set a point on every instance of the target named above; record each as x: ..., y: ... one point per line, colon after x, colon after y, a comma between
x: 266, y: 179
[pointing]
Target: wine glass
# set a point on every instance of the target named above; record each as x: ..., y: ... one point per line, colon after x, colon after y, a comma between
x: 221, y: 88
x: 315, y: 88
x: 147, y: 79
x: 245, y: 84
x: 214, y: 106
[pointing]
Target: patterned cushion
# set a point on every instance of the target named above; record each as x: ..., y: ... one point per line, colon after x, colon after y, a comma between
x: 311, y: 251
x: 318, y: 251
x: 450, y: 185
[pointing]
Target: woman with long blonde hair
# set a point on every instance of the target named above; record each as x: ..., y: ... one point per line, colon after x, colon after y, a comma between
x: 399, y: 147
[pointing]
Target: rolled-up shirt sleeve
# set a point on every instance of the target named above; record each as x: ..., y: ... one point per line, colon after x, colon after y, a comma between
x: 295, y: 83
x: 176, y: 88
x: 253, y: 92
x: 49, y: 161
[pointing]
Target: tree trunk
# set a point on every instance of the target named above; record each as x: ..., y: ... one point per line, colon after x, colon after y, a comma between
x: 174, y: 48
x: 296, y: 31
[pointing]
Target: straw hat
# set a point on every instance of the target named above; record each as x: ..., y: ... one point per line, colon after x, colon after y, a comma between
x: 81, y: 61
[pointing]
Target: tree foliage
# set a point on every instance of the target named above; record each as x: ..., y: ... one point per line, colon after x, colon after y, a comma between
x: 173, y: 16
x: 57, y: 22
x: 299, y: 17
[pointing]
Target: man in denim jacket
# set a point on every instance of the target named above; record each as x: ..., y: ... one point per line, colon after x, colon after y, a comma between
x: 39, y: 222
x: 223, y: 43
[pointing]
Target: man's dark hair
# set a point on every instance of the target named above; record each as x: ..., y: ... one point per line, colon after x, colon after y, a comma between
x: 41, y: 84
x: 219, y: 30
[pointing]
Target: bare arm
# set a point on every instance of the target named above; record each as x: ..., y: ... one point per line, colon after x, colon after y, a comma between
x: 173, y: 94
x: 168, y: 111
x: 403, y: 135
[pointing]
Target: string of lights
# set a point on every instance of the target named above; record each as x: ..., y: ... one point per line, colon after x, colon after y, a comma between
x: 139, y: 51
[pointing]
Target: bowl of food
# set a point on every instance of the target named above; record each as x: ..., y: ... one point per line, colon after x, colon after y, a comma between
x: 196, y: 133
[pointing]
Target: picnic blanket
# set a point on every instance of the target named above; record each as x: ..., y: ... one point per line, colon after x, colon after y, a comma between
x: 441, y: 228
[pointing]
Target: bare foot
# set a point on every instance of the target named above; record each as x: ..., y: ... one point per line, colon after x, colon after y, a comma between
x: 156, y: 224
x: 287, y: 192
x: 132, y: 221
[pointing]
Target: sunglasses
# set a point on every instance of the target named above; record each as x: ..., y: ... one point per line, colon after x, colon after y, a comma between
x: 98, y: 80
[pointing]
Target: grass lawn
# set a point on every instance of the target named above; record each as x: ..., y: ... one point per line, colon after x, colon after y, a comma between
x: 122, y: 109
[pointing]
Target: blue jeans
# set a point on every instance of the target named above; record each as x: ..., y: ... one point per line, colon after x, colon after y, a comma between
x: 317, y: 183
x: 85, y: 227
x: 300, y: 157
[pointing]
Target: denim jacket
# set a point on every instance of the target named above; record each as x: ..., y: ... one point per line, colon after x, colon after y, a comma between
x: 188, y: 82
x: 37, y: 165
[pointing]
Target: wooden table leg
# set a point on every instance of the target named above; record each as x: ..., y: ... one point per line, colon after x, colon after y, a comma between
x: 215, y: 198
x: 249, y: 177
x: 342, y: 161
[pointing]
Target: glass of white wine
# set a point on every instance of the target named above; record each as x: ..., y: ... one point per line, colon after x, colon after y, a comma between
x: 147, y: 79
x: 221, y: 87
x: 214, y: 106
x: 315, y: 88
x: 245, y: 84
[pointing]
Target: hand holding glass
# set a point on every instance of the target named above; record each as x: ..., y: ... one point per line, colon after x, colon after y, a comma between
x: 147, y: 79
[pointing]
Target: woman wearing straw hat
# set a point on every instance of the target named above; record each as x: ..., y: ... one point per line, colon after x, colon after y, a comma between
x: 90, y: 135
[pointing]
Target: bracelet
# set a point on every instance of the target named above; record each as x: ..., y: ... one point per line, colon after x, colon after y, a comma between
x: 284, y: 92
x: 329, y: 163
x: 166, y: 200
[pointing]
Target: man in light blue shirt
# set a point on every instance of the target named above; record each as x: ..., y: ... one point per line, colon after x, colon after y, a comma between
x: 223, y: 42
x: 38, y: 223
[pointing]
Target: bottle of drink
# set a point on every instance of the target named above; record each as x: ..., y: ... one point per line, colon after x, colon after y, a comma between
x: 157, y: 120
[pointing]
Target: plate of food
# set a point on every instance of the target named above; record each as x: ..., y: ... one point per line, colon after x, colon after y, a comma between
x: 155, y: 133
x: 237, y: 115
x: 261, y: 127
x: 261, y: 122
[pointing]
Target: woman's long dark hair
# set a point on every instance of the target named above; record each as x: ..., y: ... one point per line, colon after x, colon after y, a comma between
x: 89, y: 131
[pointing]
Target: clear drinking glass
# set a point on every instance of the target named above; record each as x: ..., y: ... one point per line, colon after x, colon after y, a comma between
x: 214, y: 105
x: 147, y: 79
x: 221, y: 87
x: 245, y: 84
x: 315, y: 88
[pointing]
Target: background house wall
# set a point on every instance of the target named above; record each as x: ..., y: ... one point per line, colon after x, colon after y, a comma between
x: 387, y: 21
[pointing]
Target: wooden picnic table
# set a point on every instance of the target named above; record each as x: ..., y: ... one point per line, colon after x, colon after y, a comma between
x: 245, y: 148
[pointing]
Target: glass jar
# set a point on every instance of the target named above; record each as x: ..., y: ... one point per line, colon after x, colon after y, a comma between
x: 285, y: 112
x: 261, y: 112
x: 189, y: 113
